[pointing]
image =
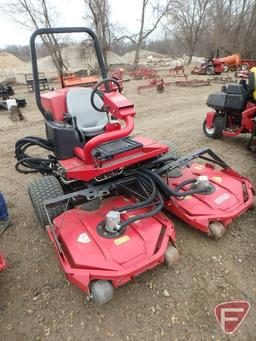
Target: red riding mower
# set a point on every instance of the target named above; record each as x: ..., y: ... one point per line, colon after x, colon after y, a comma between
x: 235, y: 111
x: 212, y: 67
x: 102, y: 192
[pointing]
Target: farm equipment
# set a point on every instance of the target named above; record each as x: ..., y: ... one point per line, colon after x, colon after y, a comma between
x: 226, y: 78
x: 11, y: 104
x: 6, y: 91
x: 73, y: 80
x: 234, y: 111
x: 192, y: 83
x: 118, y: 75
x: 103, y: 192
x: 178, y: 70
x: 235, y: 63
x: 211, y: 67
x: 43, y: 81
x: 143, y: 73
x: 158, y: 83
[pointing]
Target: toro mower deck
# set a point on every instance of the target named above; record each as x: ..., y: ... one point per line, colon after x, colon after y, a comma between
x: 103, y: 192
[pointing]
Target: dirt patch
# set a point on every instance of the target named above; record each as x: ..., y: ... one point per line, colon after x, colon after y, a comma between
x: 36, y: 301
x: 8, y: 60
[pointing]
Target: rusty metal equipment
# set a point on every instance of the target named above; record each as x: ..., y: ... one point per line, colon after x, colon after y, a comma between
x: 43, y: 81
x: 177, y: 71
x: 193, y: 83
x: 73, y: 80
x: 143, y: 73
x: 158, y: 83
x: 222, y: 79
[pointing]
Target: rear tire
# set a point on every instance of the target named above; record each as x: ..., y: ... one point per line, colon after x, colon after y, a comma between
x: 102, y: 292
x: 244, y: 67
x: 216, y: 131
x: 172, y: 150
x: 46, y: 187
x: 225, y: 68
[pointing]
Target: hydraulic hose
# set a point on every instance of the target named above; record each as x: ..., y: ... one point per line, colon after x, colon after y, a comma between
x: 141, y: 216
x: 167, y: 190
x: 32, y: 164
x: 184, y: 183
x: 143, y: 203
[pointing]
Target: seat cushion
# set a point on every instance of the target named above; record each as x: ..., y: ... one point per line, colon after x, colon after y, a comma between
x: 89, y: 121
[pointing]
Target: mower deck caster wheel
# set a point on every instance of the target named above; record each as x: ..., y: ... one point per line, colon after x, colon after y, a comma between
x: 216, y: 229
x: 171, y: 256
x: 253, y: 207
x: 102, y: 292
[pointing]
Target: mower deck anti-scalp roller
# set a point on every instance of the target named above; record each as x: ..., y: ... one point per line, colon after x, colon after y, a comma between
x: 102, y: 194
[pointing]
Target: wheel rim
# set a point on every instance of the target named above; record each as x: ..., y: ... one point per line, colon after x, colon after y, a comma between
x: 225, y: 68
x: 210, y: 131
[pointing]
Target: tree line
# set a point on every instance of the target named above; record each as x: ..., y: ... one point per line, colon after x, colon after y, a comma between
x: 191, y: 27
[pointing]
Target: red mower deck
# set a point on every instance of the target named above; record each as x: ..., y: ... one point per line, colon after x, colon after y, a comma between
x: 88, y: 257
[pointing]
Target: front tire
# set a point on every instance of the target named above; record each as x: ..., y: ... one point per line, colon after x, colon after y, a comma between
x: 210, y: 70
x: 44, y: 188
x: 171, y: 256
x: 102, y: 292
x: 216, y: 229
x: 216, y: 131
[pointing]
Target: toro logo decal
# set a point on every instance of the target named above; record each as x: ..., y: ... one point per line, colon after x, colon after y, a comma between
x: 230, y: 315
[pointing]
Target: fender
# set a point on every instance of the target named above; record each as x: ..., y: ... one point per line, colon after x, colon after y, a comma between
x: 210, y: 117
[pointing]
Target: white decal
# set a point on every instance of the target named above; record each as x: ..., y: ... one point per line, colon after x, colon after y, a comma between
x: 222, y: 198
x: 84, y: 238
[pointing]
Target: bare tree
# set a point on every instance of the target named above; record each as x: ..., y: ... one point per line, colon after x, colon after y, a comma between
x: 188, y: 18
x: 159, y: 11
x: 34, y: 15
x: 99, y: 15
x: 233, y: 25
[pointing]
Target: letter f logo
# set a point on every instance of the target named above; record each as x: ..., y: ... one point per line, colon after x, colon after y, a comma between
x: 231, y: 314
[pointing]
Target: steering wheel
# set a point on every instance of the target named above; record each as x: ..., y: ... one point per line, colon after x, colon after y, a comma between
x: 100, y: 92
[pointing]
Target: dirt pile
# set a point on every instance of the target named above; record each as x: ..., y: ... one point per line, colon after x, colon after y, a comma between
x: 8, y: 61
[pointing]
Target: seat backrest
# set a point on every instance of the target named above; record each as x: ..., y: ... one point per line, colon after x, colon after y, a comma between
x: 252, y: 84
x: 88, y: 120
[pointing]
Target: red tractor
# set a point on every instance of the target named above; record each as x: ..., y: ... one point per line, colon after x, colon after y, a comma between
x: 102, y: 193
x: 211, y: 67
x: 234, y: 111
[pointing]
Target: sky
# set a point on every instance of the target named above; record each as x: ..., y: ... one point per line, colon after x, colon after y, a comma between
x: 71, y: 13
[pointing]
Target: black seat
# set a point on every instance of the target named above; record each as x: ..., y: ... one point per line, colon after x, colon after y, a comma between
x: 252, y: 87
x: 232, y: 98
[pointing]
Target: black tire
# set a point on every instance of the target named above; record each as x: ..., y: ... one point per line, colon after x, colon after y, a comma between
x: 209, y: 70
x: 225, y: 67
x: 46, y: 187
x: 216, y: 131
x: 172, y: 150
x: 244, y: 67
x: 102, y: 292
